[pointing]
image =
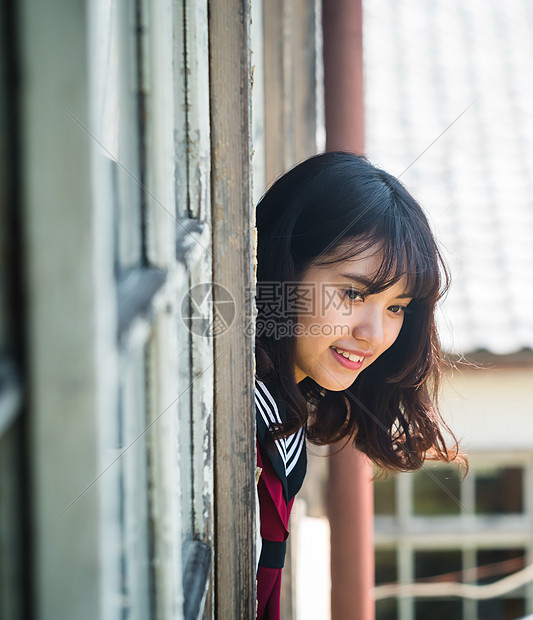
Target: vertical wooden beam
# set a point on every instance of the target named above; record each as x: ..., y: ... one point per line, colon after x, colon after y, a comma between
x: 15, y: 510
x: 199, y: 205
x: 290, y: 85
x: 233, y: 221
x: 58, y: 216
x: 304, y: 83
x: 258, y: 99
x: 274, y: 72
x: 350, y: 497
x: 290, y: 48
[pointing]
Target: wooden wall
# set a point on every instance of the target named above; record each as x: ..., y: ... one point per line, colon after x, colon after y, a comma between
x: 141, y: 134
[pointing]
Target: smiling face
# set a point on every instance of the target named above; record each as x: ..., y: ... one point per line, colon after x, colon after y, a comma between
x: 344, y: 330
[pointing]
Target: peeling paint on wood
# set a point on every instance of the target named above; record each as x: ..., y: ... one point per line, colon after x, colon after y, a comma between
x: 230, y: 72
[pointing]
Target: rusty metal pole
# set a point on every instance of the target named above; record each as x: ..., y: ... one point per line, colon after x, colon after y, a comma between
x: 350, y: 497
x: 343, y: 75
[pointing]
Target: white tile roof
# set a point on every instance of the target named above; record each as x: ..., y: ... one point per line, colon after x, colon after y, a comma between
x: 426, y: 62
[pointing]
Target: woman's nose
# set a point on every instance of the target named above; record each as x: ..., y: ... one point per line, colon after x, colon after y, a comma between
x: 368, y: 326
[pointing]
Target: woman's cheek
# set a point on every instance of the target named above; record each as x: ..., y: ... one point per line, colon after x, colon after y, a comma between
x: 395, y: 332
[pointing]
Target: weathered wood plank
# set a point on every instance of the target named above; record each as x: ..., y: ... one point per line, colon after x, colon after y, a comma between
x: 275, y: 121
x: 304, y: 83
x: 233, y: 220
x: 12, y: 526
x: 290, y: 83
x: 58, y: 218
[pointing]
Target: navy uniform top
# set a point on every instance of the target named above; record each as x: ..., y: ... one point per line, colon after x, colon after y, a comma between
x: 287, y: 461
x: 288, y: 455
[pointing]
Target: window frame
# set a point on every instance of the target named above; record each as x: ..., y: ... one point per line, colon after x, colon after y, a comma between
x: 466, y: 532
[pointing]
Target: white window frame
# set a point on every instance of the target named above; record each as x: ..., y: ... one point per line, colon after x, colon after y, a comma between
x: 465, y: 532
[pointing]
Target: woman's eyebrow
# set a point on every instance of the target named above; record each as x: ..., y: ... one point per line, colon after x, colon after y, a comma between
x: 367, y: 283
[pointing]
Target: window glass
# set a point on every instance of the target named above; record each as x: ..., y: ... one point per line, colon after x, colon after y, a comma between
x: 386, y: 566
x: 447, y: 566
x: 499, y: 490
x: 387, y: 609
x: 385, y: 496
x: 438, y: 609
x: 493, y: 564
x: 501, y: 609
x: 436, y: 491
x: 432, y: 563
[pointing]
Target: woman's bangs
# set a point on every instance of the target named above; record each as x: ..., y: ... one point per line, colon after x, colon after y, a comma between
x: 392, y: 268
x: 404, y: 252
x: 406, y: 255
x: 422, y: 270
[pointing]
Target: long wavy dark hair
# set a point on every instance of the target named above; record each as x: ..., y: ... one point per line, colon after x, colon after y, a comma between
x: 340, y: 200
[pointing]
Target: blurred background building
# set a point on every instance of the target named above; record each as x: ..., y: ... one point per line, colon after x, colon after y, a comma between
x: 448, y: 106
x: 448, y: 109
x: 130, y: 165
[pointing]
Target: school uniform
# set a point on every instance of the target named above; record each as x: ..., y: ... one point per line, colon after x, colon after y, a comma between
x: 283, y: 465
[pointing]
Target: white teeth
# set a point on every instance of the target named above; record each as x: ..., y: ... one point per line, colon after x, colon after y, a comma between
x: 351, y: 356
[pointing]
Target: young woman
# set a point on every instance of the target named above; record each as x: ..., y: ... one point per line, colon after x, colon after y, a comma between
x: 348, y: 276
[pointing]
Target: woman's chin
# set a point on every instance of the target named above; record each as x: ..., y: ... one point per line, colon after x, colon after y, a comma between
x: 336, y: 384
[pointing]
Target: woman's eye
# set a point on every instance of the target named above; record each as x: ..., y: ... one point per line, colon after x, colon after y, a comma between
x: 397, y: 309
x: 353, y: 295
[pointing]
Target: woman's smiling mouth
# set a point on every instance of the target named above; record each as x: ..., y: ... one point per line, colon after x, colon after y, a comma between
x: 354, y: 357
x: 347, y: 359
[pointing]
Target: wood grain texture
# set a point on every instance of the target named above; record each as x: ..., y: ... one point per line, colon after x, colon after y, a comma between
x: 59, y: 255
x: 290, y: 59
x: 304, y: 84
x: 274, y: 72
x: 290, y: 86
x: 233, y: 221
